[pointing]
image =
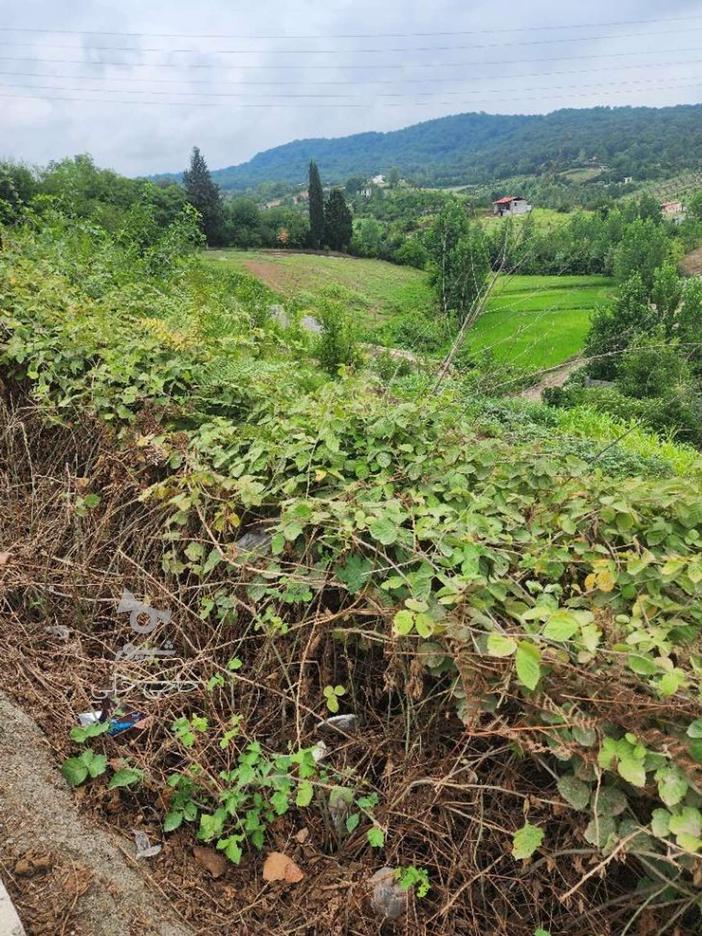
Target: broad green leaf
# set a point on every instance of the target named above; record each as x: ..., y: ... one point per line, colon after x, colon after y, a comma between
x: 126, y: 777
x: 173, y: 821
x: 561, y: 626
x: 526, y: 840
x: 96, y: 763
x: 354, y: 574
x: 385, y: 530
x: 687, y: 822
x: 499, y: 646
x: 660, y: 822
x: 376, y: 837
x: 609, y: 801
x: 424, y: 625
x: 528, y: 662
x: 74, y: 770
x: 632, y: 770
x: 599, y: 830
x: 81, y: 733
x: 403, y: 623
x: 694, y: 729
x: 305, y: 792
x: 574, y: 791
x: 672, y: 785
x: 642, y: 665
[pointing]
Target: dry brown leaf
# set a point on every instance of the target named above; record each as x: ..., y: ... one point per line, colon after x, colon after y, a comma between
x: 278, y: 867
x: 4, y: 558
x: 215, y: 863
x: 302, y: 836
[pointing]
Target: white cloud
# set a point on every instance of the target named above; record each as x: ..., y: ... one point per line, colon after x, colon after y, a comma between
x: 503, y: 72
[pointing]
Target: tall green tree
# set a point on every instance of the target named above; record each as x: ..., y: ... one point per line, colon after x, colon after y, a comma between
x: 338, y: 220
x: 204, y: 195
x: 316, y: 202
x: 643, y: 249
x: 459, y: 260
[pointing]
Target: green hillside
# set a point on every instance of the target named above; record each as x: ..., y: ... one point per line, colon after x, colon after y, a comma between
x: 644, y: 142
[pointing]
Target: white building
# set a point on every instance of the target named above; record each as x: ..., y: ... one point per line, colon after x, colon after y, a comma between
x: 511, y: 205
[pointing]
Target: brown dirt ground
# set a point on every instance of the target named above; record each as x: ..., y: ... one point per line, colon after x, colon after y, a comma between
x: 554, y: 377
x: 691, y: 265
x: 64, y: 873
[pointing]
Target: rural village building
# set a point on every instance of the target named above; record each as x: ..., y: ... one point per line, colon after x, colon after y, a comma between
x: 673, y: 211
x: 511, y: 205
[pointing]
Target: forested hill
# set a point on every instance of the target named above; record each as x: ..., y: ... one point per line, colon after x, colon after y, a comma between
x: 643, y: 142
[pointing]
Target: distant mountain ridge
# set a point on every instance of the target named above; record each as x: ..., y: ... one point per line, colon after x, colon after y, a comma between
x: 644, y: 142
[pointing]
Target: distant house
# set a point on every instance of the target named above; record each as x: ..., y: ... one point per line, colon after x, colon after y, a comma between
x: 628, y: 179
x: 673, y: 211
x: 511, y: 205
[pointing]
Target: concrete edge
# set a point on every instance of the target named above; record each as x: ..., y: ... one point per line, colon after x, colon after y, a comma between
x: 10, y: 923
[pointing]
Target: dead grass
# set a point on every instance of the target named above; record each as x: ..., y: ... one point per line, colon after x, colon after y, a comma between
x: 452, y: 795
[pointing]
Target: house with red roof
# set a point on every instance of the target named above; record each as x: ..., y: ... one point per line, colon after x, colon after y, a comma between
x: 511, y: 205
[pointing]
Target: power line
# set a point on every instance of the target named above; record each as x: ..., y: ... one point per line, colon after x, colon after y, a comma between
x: 337, y: 66
x: 337, y: 106
x: 277, y: 94
x: 401, y: 49
x: 393, y: 35
x: 354, y: 82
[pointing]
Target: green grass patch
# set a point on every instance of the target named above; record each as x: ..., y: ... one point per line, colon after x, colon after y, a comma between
x: 539, y: 321
x: 376, y: 286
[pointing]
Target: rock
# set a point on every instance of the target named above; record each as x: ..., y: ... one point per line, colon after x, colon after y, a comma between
x: 255, y: 540
x: 310, y: 324
x: 343, y: 723
x: 278, y: 313
x: 388, y: 899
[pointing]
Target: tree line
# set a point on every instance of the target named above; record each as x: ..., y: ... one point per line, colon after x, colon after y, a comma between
x: 243, y: 224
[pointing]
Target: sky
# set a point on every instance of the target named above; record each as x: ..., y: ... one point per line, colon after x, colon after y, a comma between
x: 138, y: 84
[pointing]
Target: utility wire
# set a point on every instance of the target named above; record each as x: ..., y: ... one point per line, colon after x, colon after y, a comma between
x: 377, y: 35
x: 399, y: 49
x: 338, y: 66
x: 337, y: 106
x: 382, y: 94
x: 354, y: 82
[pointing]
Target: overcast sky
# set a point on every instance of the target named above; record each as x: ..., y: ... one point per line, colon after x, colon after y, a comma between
x: 137, y: 84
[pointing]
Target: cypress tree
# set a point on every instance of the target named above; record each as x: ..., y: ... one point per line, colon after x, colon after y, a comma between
x: 339, y: 221
x: 316, y: 200
x: 204, y: 195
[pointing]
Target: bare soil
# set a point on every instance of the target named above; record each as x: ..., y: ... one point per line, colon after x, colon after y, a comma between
x: 554, y: 377
x: 691, y: 265
x: 64, y: 872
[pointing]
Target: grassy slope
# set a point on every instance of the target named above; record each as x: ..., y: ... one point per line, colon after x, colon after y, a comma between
x: 538, y: 321
x: 381, y: 287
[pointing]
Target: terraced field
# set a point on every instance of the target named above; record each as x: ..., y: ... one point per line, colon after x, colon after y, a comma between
x: 536, y: 321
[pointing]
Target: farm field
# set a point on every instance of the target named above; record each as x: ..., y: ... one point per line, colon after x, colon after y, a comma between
x: 539, y: 321
x: 541, y: 218
x: 535, y: 321
x: 378, y: 287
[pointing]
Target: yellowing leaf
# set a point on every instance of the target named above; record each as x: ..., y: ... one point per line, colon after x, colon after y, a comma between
x: 526, y: 840
x: 500, y: 646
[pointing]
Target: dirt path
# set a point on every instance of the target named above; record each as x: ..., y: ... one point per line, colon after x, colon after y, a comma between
x: 64, y: 873
x: 691, y: 265
x: 554, y: 377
